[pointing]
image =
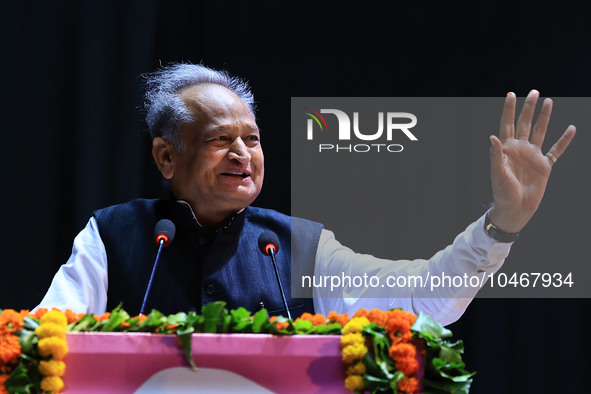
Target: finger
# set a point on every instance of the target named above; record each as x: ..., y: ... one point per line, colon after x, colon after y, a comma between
x: 507, y: 128
x: 497, y: 163
x: 526, y: 116
x: 560, y: 146
x: 539, y: 132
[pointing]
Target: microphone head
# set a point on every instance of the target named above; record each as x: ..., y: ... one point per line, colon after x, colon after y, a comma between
x: 268, y: 240
x: 164, y: 231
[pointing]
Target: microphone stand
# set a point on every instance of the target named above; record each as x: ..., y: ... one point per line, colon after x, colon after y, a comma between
x: 272, y: 254
x: 161, y: 243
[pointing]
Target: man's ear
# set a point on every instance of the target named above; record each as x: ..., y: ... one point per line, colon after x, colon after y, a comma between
x: 163, y: 154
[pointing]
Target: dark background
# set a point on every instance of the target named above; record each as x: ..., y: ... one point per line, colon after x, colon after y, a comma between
x: 74, y: 140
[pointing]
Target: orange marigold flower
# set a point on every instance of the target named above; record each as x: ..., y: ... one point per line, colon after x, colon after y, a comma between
x: 407, y: 366
x: 125, y: 325
x: 337, y: 318
x: 53, y: 384
x: 73, y: 316
x: 378, y: 317
x: 52, y: 368
x: 10, y: 349
x: 3, y: 378
x: 12, y: 321
x: 104, y: 316
x: 408, y: 385
x: 38, y: 314
x: 402, y: 350
x: 398, y: 325
x: 361, y: 313
x: 316, y: 319
x: 53, y: 346
x: 280, y: 325
x: 404, y: 356
x: 354, y: 382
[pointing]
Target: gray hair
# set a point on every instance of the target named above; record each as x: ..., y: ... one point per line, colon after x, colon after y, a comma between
x: 166, y: 110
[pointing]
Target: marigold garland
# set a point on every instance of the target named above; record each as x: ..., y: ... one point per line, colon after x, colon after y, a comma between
x: 52, y: 344
x: 11, y: 322
x: 369, y: 340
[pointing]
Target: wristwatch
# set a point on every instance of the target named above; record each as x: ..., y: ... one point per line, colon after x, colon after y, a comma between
x: 495, y: 233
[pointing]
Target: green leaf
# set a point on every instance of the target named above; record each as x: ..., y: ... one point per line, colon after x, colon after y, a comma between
x: 438, y: 387
x: 241, y: 321
x: 30, y: 323
x: 115, y: 319
x: 86, y: 323
x: 429, y: 329
x: 213, y: 316
x: 260, y: 322
x: 303, y: 326
x: 329, y: 329
x: 28, y: 339
x: 186, y: 341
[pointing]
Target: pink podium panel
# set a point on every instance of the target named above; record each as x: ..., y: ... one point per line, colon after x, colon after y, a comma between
x: 154, y: 363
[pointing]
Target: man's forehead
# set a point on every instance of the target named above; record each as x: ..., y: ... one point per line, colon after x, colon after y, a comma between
x: 209, y: 93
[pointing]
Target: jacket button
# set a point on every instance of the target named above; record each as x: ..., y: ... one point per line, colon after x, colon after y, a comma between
x: 210, y: 289
x: 202, y: 241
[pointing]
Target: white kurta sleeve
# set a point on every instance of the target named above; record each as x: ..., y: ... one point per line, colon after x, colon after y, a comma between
x: 472, y: 254
x: 81, y: 283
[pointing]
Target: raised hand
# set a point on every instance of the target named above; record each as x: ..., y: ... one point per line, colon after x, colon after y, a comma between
x: 519, y: 169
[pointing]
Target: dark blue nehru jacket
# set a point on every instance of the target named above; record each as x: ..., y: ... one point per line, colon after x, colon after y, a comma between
x: 201, y: 266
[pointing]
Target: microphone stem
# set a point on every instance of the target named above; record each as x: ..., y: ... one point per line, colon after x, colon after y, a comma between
x: 272, y: 253
x: 160, y: 246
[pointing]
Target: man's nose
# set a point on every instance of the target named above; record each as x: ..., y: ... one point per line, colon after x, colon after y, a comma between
x: 239, y: 151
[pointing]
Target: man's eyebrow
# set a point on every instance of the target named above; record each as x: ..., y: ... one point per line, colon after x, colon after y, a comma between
x: 217, y: 128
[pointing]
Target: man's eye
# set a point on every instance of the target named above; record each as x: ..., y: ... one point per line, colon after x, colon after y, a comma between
x: 253, y: 138
x: 223, y: 138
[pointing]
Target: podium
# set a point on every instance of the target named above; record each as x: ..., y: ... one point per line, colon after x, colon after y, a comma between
x: 154, y: 363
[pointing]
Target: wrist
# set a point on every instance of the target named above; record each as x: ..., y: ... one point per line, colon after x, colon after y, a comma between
x: 496, y: 232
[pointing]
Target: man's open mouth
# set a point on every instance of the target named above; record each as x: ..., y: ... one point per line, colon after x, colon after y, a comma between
x: 237, y: 174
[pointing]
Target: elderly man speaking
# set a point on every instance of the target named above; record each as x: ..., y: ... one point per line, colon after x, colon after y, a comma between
x: 206, y: 143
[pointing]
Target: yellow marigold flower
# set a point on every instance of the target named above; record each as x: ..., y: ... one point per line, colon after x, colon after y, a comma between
x: 51, y: 330
x: 52, y: 384
x: 52, y: 368
x: 356, y: 369
x: 352, y: 339
x: 354, y: 382
x: 353, y: 352
x: 56, y: 317
x: 355, y: 325
x: 56, y: 347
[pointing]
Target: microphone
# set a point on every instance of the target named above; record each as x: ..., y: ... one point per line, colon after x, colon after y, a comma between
x: 269, y: 245
x: 164, y: 232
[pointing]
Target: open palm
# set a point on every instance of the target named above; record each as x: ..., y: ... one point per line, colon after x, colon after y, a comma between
x: 519, y: 169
